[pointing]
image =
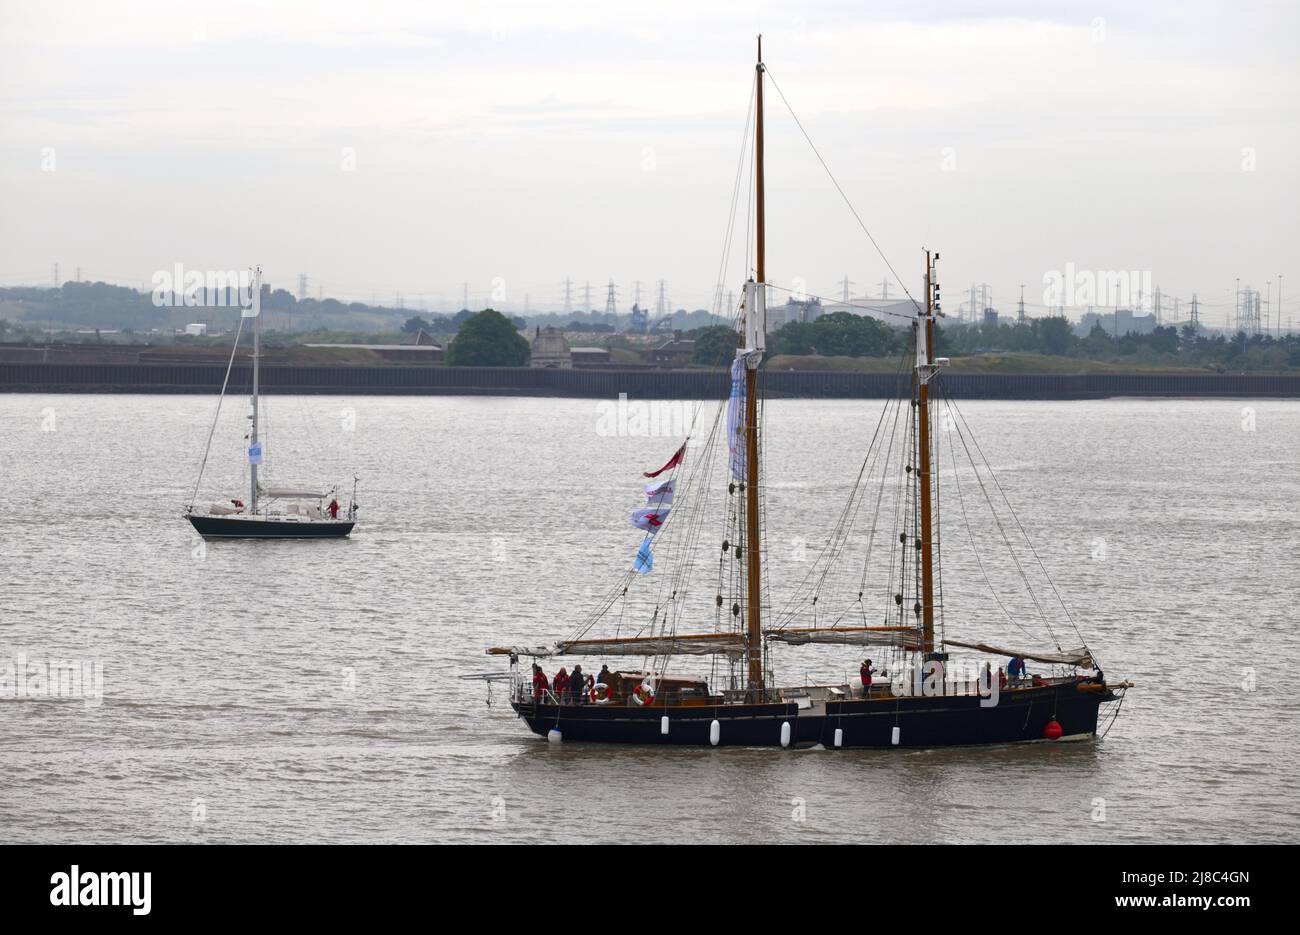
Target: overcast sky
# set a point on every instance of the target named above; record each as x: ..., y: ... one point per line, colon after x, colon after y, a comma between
x: 386, y: 148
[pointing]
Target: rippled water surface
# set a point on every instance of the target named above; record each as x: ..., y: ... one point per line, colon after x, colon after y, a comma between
x: 309, y: 691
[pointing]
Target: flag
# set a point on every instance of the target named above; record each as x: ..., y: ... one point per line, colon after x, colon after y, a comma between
x: 661, y: 492
x: 645, y: 559
x: 650, y: 519
x: 255, y: 453
x: 736, y: 420
x: 672, y: 462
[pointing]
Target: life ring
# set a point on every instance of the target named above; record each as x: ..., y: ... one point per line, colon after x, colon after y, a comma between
x: 600, y: 694
x: 644, y: 693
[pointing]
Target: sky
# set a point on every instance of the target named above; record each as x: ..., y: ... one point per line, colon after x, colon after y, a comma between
x: 418, y: 150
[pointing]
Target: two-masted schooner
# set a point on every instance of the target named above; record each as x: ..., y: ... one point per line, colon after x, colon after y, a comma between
x: 921, y: 694
x: 270, y: 512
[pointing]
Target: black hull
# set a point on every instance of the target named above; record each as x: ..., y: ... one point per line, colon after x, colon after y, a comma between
x: 221, y: 527
x: 1019, y: 716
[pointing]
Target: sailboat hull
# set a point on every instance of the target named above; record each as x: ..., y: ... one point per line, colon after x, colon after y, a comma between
x: 1018, y: 717
x: 227, y: 527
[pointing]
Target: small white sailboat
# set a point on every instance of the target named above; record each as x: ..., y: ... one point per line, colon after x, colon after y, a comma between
x: 269, y: 512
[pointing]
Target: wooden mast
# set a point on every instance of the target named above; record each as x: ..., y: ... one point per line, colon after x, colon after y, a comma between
x: 924, y: 369
x: 757, y: 313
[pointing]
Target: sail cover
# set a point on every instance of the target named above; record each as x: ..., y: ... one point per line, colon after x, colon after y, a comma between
x: 1066, y: 657
x: 906, y: 637
x: 693, y: 644
x: 294, y: 493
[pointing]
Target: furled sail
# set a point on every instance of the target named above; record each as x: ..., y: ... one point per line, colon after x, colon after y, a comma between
x: 1067, y: 657
x: 693, y: 644
x: 294, y: 493
x: 906, y: 637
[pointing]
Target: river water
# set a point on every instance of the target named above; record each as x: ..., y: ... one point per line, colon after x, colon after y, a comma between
x: 297, y: 692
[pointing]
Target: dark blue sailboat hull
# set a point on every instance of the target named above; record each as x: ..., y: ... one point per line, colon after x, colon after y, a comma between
x: 220, y: 527
x: 1019, y: 716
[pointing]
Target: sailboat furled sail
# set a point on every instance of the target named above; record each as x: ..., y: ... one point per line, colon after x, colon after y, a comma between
x: 280, y: 512
x: 657, y: 618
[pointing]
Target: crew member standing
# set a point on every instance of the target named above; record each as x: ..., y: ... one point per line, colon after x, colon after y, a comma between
x: 866, y: 672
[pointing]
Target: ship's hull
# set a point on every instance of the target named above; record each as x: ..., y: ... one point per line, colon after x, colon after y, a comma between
x: 226, y: 527
x: 1018, y: 716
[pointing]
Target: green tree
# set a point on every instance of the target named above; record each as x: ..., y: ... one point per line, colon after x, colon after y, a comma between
x: 415, y: 324
x: 716, y: 346
x: 488, y: 339
x: 1055, y: 335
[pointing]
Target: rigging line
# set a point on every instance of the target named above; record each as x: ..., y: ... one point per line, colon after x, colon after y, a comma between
x: 828, y: 300
x: 979, y: 560
x: 839, y: 189
x: 208, y: 447
x: 993, y: 512
x: 897, y: 403
x: 730, y: 231
x: 1024, y: 534
x: 839, y: 534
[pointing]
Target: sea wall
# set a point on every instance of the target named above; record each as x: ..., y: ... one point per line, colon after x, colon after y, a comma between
x: 608, y: 384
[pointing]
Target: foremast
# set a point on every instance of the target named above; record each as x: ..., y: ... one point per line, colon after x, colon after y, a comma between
x: 925, y: 369
x: 755, y: 342
x: 254, y: 449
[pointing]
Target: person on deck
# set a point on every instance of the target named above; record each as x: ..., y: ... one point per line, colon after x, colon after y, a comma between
x: 578, y: 685
x: 865, y: 673
x: 1016, y: 668
x: 605, y: 677
x: 540, y: 684
x: 334, y: 509
x: 562, y: 686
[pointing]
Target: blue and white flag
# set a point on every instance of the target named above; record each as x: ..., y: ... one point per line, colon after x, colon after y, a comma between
x: 736, y: 420
x: 255, y: 453
x: 645, y: 559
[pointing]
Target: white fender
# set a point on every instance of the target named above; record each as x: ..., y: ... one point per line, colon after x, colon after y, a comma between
x: 554, y: 736
x: 839, y: 737
x: 715, y: 733
x: 785, y: 733
x: 896, y: 735
x: 663, y: 725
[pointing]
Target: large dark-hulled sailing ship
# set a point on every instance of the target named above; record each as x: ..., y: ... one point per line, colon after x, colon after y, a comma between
x: 270, y: 512
x: 922, y: 694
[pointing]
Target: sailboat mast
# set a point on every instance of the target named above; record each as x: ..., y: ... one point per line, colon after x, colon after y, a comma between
x: 924, y: 370
x: 756, y: 339
x: 252, y: 435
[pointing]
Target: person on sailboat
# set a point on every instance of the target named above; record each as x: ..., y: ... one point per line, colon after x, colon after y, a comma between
x: 334, y: 509
x: 540, y: 684
x: 562, y: 686
x: 1016, y: 668
x: 866, y: 672
x: 578, y: 685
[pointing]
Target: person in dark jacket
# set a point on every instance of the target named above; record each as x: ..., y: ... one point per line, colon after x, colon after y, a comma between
x: 578, y: 685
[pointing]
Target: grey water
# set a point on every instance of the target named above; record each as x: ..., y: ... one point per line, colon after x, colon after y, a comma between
x: 311, y: 691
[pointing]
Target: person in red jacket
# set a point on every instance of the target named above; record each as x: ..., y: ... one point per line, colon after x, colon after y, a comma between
x: 866, y: 672
x: 334, y: 509
x: 562, y: 686
x: 540, y: 684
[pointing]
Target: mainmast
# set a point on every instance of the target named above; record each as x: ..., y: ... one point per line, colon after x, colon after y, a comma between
x: 755, y: 343
x: 925, y: 369
x: 254, y: 450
